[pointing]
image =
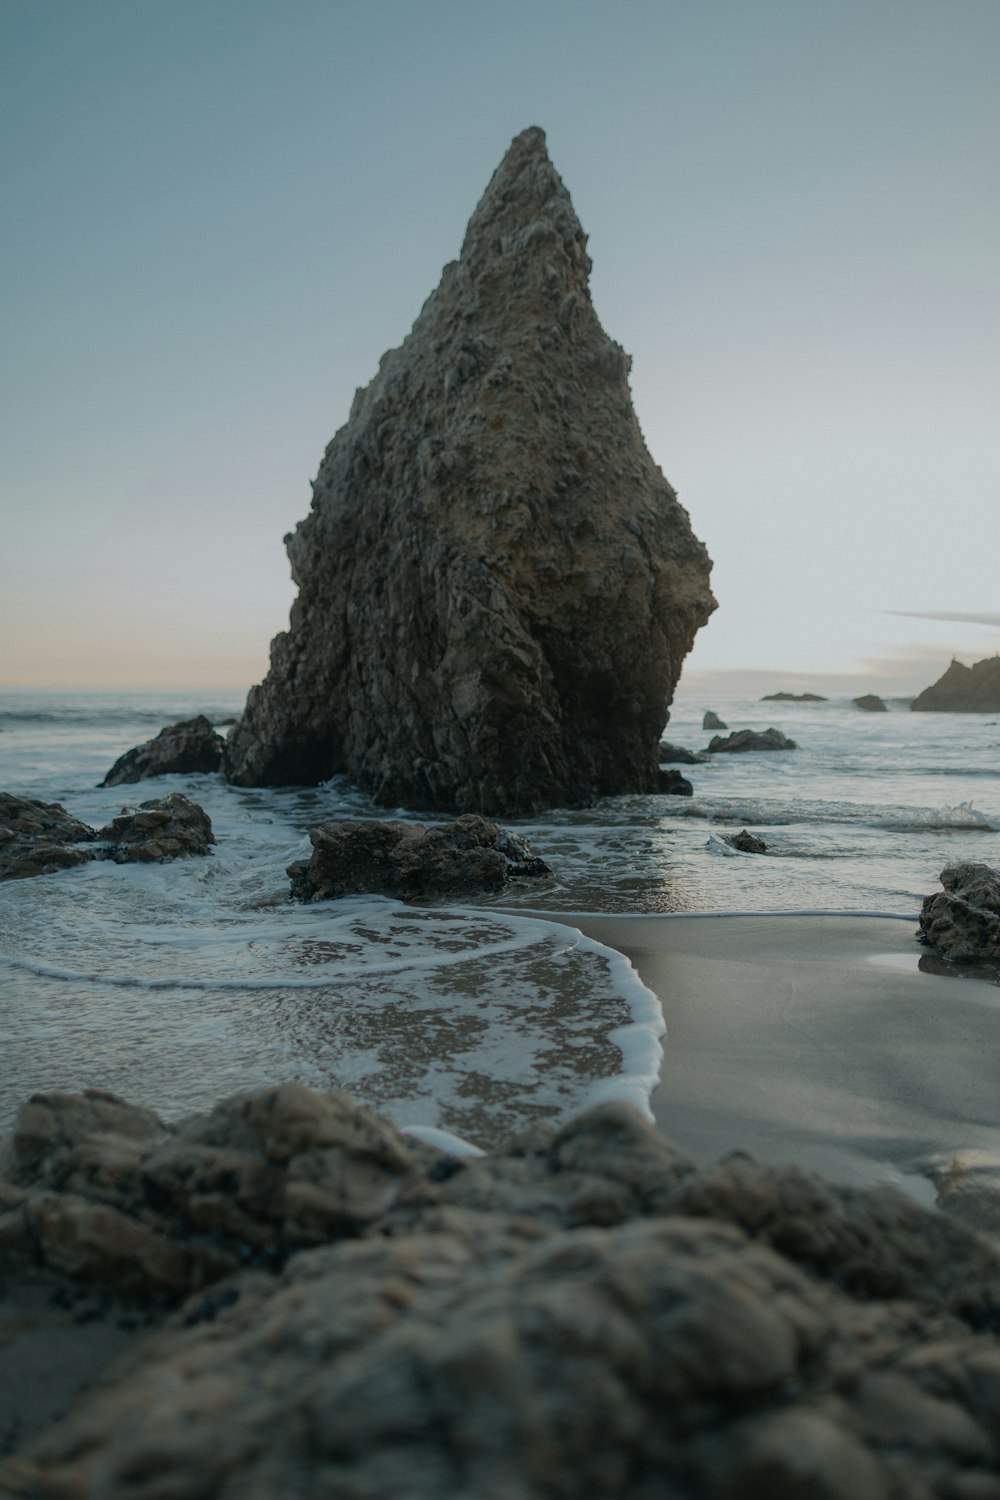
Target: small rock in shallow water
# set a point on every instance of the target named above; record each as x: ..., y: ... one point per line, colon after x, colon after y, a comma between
x: 673, y: 784
x: 963, y: 921
x: 746, y: 842
x: 412, y: 860
x: 712, y: 721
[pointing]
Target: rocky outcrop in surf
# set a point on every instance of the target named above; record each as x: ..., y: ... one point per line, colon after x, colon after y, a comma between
x: 469, y: 857
x: 750, y: 739
x: 190, y: 747
x: 584, y: 1313
x: 37, y: 838
x: 497, y: 585
x: 962, y: 921
x: 871, y: 702
x: 963, y: 690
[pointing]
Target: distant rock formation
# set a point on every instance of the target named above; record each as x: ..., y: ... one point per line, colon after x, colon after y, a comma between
x: 586, y: 1312
x: 872, y: 702
x: 963, y: 690
x: 794, y: 698
x: 183, y: 749
x: 468, y: 857
x: 712, y: 721
x: 497, y: 585
x: 963, y: 921
x: 751, y: 739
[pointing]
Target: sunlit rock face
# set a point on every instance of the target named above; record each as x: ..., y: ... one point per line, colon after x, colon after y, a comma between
x: 497, y: 585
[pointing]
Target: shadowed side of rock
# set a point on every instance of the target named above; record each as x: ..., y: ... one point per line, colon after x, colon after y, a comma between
x: 497, y: 585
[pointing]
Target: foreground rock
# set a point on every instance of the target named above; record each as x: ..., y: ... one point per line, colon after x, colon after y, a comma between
x: 182, y: 749
x: 963, y: 690
x: 586, y: 1314
x: 872, y: 702
x: 963, y: 921
x: 164, y: 828
x: 497, y: 585
x: 751, y: 739
x: 39, y: 837
x: 468, y: 857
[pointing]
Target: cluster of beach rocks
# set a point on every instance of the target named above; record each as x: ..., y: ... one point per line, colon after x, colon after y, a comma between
x: 586, y: 1312
x: 37, y: 838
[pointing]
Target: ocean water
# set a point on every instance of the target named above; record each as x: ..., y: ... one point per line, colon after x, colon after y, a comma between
x: 176, y: 984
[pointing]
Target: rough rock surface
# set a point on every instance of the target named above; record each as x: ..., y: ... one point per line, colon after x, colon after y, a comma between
x: 963, y: 921
x: 872, y: 702
x: 497, y: 585
x: 184, y: 748
x: 35, y: 838
x: 712, y: 721
x: 963, y: 690
x: 674, y: 784
x: 586, y: 1313
x: 751, y: 739
x: 746, y: 842
x: 470, y: 856
x: 164, y: 828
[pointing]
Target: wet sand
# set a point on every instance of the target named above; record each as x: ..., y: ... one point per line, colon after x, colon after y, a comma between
x: 816, y: 1040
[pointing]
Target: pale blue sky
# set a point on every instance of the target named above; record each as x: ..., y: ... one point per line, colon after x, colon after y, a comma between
x: 217, y: 214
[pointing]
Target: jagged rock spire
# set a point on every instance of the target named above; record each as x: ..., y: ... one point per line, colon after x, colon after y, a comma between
x: 497, y: 586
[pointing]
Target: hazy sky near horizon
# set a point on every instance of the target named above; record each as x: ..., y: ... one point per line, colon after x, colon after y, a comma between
x: 217, y: 216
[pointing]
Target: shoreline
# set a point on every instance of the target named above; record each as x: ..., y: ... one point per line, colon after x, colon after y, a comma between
x: 814, y: 1040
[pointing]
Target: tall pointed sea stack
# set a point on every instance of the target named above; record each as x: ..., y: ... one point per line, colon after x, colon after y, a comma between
x: 497, y: 585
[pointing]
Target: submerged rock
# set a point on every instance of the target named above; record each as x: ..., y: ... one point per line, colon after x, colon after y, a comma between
x: 412, y: 860
x: 751, y: 739
x: 185, y: 748
x: 963, y: 690
x: 497, y: 585
x: 586, y: 1313
x: 164, y: 828
x: 39, y: 837
x: 872, y: 702
x: 963, y: 921
x: 746, y: 842
x: 712, y: 721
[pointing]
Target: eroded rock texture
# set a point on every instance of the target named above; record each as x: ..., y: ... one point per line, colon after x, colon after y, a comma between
x: 962, y: 921
x: 497, y: 585
x: 469, y: 857
x: 189, y: 747
x: 37, y: 838
x: 586, y: 1313
x: 163, y: 828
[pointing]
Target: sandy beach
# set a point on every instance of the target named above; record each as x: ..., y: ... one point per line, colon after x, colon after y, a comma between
x: 816, y: 1040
